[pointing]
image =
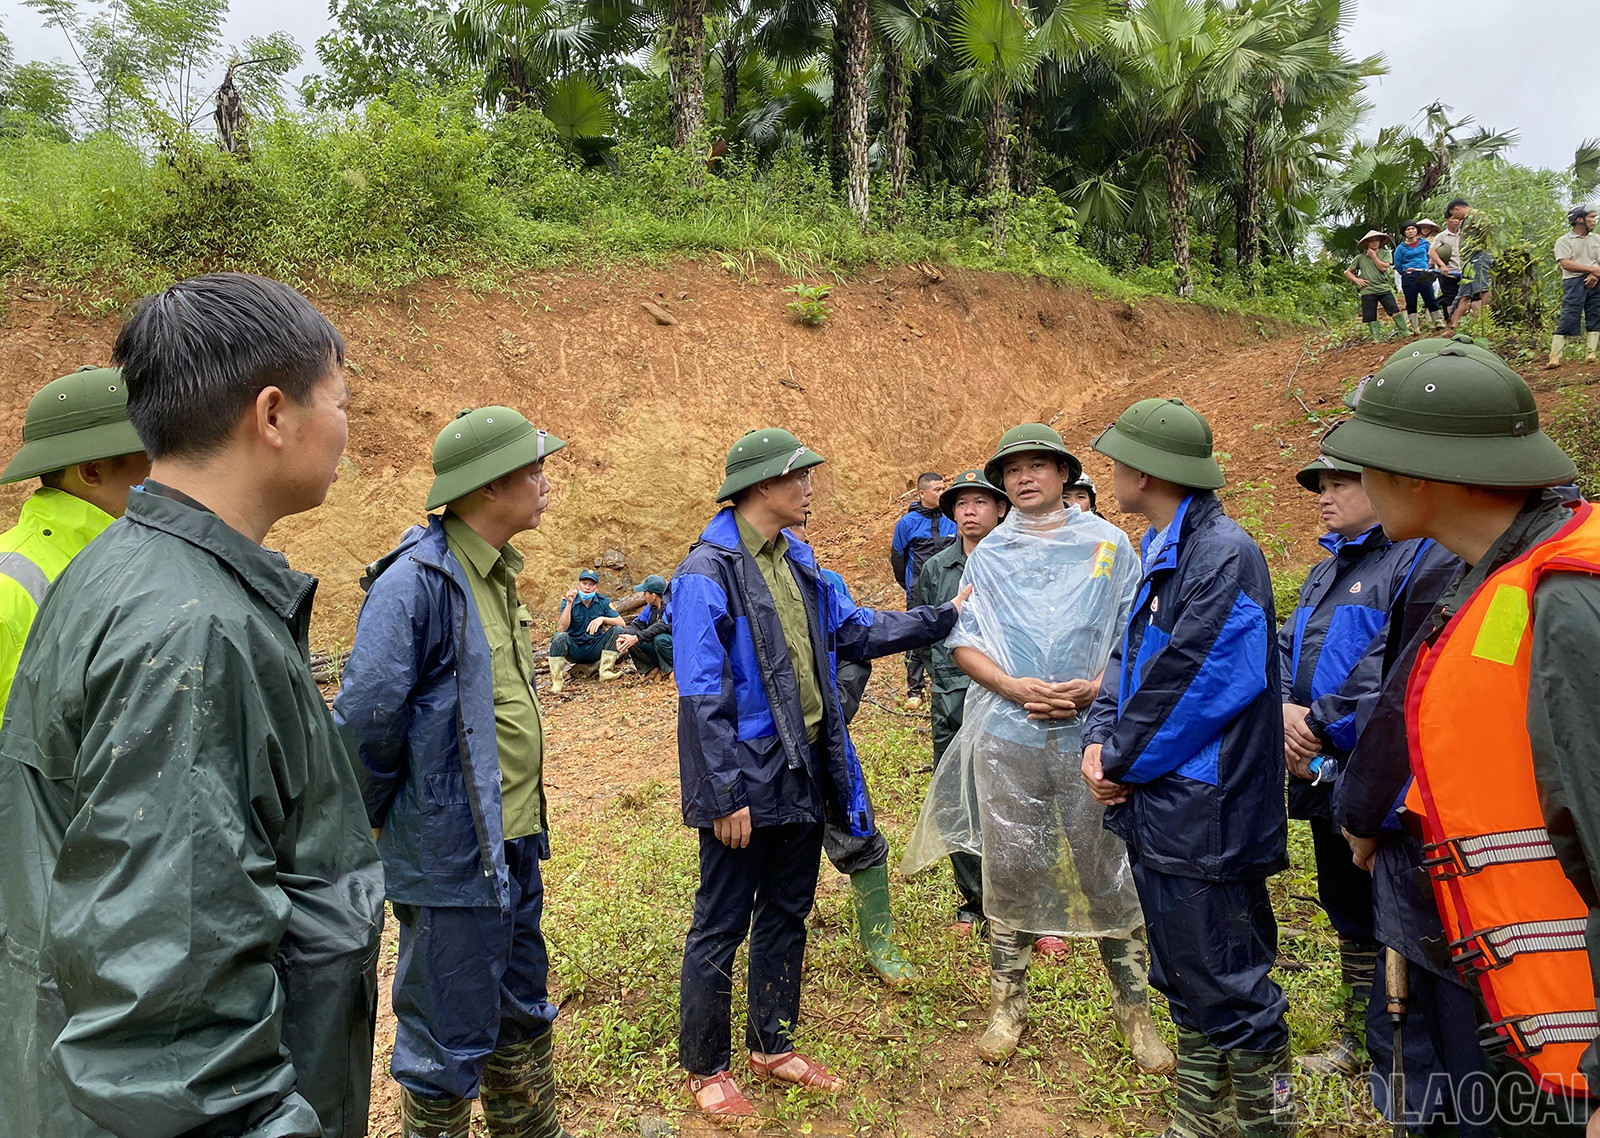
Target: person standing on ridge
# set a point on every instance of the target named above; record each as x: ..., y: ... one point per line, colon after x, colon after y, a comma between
x: 438, y: 707
x: 78, y: 442
x: 921, y: 533
x: 1578, y: 257
x: 1185, y: 747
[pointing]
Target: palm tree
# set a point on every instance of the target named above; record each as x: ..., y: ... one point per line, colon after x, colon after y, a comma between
x: 908, y: 33
x: 519, y: 45
x: 999, y: 50
x: 855, y: 31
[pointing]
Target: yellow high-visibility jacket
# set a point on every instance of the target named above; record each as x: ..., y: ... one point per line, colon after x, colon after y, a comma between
x: 52, y: 529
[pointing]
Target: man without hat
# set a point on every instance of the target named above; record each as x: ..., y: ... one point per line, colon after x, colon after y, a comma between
x: 976, y: 506
x: 438, y: 706
x: 648, y: 642
x: 1327, y: 679
x: 1500, y: 713
x: 1185, y: 747
x: 78, y: 442
x: 1578, y: 256
x: 921, y: 533
x: 1051, y: 592
x: 586, y: 632
x: 189, y: 891
x: 764, y: 756
x: 1081, y: 493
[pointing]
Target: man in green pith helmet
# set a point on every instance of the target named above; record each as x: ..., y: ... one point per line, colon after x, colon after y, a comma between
x: 976, y: 506
x: 586, y: 632
x: 1501, y: 723
x: 78, y: 442
x: 1184, y: 746
x: 438, y: 705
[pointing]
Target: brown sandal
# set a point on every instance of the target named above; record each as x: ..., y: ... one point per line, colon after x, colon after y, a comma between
x: 811, y: 1074
x: 732, y: 1104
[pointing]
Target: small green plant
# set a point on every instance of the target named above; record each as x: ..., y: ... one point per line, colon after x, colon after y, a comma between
x: 810, y: 303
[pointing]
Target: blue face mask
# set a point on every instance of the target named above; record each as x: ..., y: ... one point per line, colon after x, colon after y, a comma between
x: 585, y: 593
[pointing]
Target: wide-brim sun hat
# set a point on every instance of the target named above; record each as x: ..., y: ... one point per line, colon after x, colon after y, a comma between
x: 973, y: 479
x: 1426, y: 223
x: 1310, y: 475
x: 1369, y: 235
x: 768, y: 452
x: 82, y: 417
x: 1028, y: 438
x: 1459, y: 415
x: 1164, y: 438
x: 481, y: 445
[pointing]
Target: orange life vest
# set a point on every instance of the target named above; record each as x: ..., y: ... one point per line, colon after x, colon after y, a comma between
x: 1514, y: 922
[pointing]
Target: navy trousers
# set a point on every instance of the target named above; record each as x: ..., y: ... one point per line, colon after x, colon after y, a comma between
x: 1344, y: 889
x: 655, y: 653
x: 1580, y: 308
x: 764, y: 891
x: 1212, y: 947
x: 469, y: 981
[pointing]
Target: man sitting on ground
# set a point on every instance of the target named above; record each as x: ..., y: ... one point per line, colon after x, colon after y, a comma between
x: 648, y: 641
x: 586, y: 633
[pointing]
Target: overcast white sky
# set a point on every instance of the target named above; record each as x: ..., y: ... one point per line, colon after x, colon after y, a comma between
x: 1510, y: 62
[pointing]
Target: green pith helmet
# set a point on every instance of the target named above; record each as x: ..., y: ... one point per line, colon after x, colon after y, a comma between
x: 1453, y: 416
x: 1310, y: 475
x: 1024, y: 439
x: 82, y: 417
x: 479, y: 446
x: 652, y: 584
x: 769, y: 452
x: 1164, y: 438
x: 1426, y: 347
x: 967, y: 480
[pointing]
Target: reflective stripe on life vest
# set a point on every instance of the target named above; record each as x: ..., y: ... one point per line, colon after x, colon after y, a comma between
x: 25, y: 573
x: 1515, y: 924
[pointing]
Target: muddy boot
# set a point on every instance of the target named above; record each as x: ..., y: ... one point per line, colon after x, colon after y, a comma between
x: 608, y: 665
x: 518, y: 1092
x: 424, y: 1117
x: 1591, y: 350
x: 1127, y: 962
x: 1402, y: 325
x: 1375, y: 330
x: 1557, y: 346
x: 1203, y: 1104
x: 1008, y: 1017
x: 1348, y: 1054
x: 558, y: 674
x: 1263, y: 1092
x: 875, y: 925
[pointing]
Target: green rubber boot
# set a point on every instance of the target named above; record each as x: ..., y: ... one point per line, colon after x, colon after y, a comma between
x: 1263, y: 1092
x: 1204, y: 1090
x: 1376, y: 330
x: 875, y: 924
x: 424, y: 1117
x: 518, y: 1091
x: 1401, y: 324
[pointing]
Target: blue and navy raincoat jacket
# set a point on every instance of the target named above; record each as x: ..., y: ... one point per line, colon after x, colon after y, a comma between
x: 416, y: 708
x: 741, y: 734
x: 1189, y: 713
x: 1325, y: 647
x: 917, y: 537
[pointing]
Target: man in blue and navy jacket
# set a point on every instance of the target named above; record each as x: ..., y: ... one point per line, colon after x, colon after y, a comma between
x: 1185, y: 747
x: 1329, y: 676
x: 763, y: 756
x: 922, y: 532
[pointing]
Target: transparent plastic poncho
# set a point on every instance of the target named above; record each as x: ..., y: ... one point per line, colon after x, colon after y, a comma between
x: 1050, y: 597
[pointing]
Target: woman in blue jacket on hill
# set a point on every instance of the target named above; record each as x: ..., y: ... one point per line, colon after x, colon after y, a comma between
x: 1416, y: 277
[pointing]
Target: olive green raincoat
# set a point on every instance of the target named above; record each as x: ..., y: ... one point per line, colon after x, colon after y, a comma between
x: 190, y: 898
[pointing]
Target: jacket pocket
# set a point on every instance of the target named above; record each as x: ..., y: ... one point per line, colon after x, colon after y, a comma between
x: 447, y: 788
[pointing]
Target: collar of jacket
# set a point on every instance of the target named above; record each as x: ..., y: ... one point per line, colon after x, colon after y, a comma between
x: 1366, y: 542
x: 1198, y: 507
x: 65, y: 520
x: 925, y: 511
x: 1543, y: 514
x: 723, y: 532
x: 266, y: 571
x: 426, y: 545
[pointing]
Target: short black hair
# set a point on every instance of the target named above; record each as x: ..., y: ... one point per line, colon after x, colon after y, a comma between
x: 1454, y: 202
x: 197, y: 354
x: 930, y: 476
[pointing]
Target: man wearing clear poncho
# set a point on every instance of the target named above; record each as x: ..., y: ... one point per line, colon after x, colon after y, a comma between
x: 1052, y: 590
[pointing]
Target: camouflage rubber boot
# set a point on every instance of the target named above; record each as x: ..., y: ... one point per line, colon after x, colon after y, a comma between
x: 1127, y: 962
x: 1203, y: 1106
x: 1010, y: 950
x: 424, y: 1117
x: 1263, y: 1092
x: 1347, y: 1055
x: 518, y: 1092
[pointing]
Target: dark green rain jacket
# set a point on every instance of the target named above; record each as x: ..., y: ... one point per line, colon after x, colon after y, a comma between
x: 190, y: 898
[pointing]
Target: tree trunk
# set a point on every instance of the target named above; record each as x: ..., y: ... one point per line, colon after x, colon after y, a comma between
x: 231, y: 118
x: 730, y: 87
x: 897, y: 96
x: 1027, y: 123
x: 858, y: 45
x: 914, y: 136
x: 1178, y: 209
x: 997, y: 157
x: 838, y: 122
x: 686, y: 70
x: 1248, y: 235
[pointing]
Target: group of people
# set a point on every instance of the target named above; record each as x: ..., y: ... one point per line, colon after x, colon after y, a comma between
x: 198, y: 849
x: 590, y: 630
x: 1456, y: 258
